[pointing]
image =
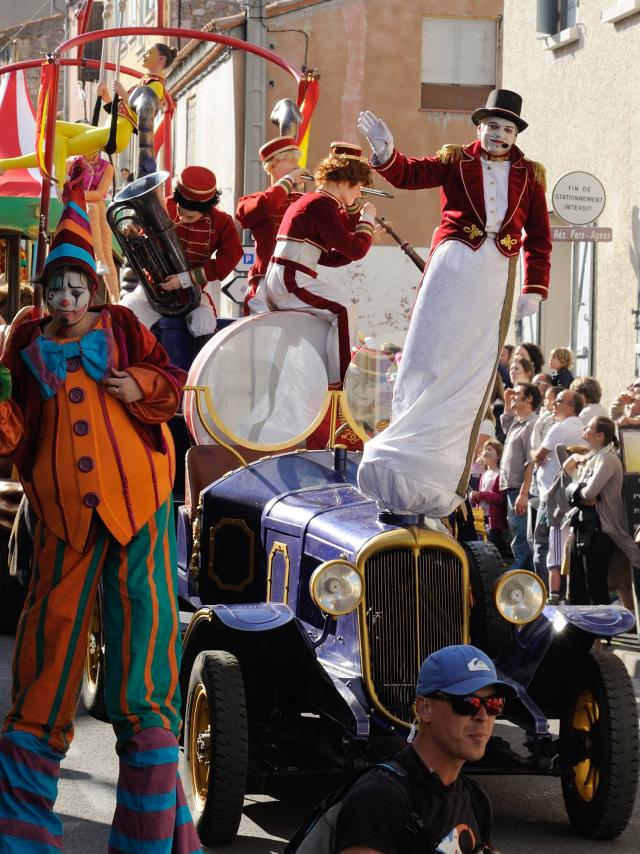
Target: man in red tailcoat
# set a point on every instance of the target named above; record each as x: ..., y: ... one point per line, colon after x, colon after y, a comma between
x: 262, y: 212
x: 493, y: 205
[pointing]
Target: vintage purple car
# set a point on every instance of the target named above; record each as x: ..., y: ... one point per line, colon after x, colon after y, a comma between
x: 311, y: 612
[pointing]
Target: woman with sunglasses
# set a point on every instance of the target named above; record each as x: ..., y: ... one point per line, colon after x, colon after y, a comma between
x: 419, y: 801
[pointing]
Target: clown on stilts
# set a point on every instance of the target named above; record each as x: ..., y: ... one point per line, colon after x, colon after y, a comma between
x: 86, y: 393
x: 493, y: 205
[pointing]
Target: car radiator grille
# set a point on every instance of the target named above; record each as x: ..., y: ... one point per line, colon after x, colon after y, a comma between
x: 414, y: 604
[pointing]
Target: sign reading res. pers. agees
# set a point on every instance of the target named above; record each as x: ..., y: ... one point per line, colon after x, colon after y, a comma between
x: 578, y: 198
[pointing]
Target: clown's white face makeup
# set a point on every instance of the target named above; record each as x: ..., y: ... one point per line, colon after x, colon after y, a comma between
x: 497, y: 135
x: 67, y: 296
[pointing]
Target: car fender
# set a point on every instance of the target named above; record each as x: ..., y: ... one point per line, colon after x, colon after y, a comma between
x: 271, y: 644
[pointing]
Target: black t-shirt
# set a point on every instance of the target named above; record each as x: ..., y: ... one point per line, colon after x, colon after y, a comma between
x: 378, y: 812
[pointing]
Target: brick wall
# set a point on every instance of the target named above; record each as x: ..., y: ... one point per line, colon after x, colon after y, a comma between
x: 33, y: 42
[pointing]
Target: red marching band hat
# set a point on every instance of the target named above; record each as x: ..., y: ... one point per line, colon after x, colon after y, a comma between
x: 277, y: 146
x: 196, y: 183
x: 346, y: 149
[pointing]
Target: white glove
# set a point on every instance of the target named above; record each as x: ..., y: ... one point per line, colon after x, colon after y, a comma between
x: 528, y: 304
x: 185, y: 279
x: 378, y: 135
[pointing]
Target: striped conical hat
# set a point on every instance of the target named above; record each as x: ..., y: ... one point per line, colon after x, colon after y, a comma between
x: 71, y: 245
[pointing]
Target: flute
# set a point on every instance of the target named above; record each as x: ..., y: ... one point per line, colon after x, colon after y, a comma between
x: 366, y: 191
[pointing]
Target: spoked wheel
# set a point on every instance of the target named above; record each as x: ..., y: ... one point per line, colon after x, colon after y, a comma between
x: 216, y: 746
x: 599, y: 748
x: 93, y: 676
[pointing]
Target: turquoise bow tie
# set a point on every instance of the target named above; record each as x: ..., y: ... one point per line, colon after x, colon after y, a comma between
x: 47, y: 360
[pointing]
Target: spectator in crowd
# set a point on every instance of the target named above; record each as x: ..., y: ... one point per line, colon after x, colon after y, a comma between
x: 126, y: 175
x: 544, y: 422
x: 506, y: 355
x: 590, y: 392
x: 566, y: 431
x: 487, y: 431
x: 490, y: 497
x: 520, y: 370
x: 531, y: 352
x: 497, y: 405
x: 458, y: 699
x: 521, y: 404
x: 625, y: 409
x: 543, y: 381
x: 560, y: 362
x: 599, y: 487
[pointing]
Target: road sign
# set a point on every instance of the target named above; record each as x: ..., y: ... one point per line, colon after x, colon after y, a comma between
x: 589, y: 233
x: 235, y: 288
x: 578, y: 198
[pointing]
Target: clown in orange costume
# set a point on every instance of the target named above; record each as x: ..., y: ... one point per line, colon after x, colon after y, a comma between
x: 85, y: 396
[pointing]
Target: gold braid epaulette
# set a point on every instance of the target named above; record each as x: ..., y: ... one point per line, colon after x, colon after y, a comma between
x: 449, y: 153
x: 539, y: 173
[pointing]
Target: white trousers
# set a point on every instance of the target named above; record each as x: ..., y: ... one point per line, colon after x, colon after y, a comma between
x: 420, y: 464
x: 323, y: 300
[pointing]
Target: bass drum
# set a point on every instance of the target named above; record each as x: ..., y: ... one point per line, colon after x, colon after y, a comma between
x: 261, y: 383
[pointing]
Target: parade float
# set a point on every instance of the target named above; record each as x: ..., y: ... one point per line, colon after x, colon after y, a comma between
x: 306, y: 612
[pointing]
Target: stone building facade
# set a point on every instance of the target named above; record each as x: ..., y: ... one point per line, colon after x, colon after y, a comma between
x: 580, y: 100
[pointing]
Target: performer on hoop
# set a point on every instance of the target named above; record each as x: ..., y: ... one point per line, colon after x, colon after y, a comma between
x: 85, y: 424
x: 493, y: 203
x: 262, y: 212
x: 73, y: 138
x: 212, y: 246
x: 97, y: 180
x: 316, y: 229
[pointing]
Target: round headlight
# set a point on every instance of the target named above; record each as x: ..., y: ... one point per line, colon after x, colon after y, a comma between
x: 520, y: 596
x: 336, y: 587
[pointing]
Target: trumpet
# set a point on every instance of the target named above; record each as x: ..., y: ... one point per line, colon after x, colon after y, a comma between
x: 366, y: 191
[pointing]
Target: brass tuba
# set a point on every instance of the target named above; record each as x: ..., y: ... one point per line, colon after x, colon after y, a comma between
x: 139, y: 220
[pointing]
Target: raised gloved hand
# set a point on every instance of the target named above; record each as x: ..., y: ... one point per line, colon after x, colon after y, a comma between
x: 378, y: 135
x: 5, y: 383
x: 528, y: 304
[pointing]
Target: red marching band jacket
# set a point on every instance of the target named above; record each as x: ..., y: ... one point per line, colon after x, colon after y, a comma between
x: 214, y: 232
x: 458, y: 171
x: 262, y: 213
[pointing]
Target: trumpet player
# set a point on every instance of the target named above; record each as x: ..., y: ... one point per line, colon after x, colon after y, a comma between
x: 262, y: 212
x: 316, y: 230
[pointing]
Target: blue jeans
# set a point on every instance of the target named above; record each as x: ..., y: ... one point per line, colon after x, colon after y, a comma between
x: 522, y: 557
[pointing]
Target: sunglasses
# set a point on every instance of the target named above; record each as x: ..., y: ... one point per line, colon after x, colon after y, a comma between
x: 470, y: 705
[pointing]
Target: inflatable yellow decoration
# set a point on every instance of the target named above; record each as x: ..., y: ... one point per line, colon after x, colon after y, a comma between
x: 74, y: 138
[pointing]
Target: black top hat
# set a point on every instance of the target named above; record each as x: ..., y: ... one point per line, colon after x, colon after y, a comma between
x: 503, y: 103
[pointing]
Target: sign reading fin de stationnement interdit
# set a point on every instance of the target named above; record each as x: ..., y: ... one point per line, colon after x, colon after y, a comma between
x: 578, y: 198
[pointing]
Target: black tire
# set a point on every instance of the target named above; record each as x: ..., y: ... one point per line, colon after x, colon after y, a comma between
x: 216, y: 746
x: 599, y: 747
x: 92, y: 692
x: 12, y: 594
x: 489, y: 631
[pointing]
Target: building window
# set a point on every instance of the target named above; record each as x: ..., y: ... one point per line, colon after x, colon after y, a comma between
x: 458, y: 68
x: 582, y: 266
x: 554, y: 16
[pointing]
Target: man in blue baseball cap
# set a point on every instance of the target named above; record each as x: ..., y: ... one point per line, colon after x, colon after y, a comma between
x: 418, y: 801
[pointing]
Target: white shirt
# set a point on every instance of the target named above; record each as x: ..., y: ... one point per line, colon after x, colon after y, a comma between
x: 567, y: 432
x: 593, y: 410
x: 495, y: 180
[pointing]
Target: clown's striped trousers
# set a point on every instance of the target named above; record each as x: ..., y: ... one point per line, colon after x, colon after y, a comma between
x: 142, y: 638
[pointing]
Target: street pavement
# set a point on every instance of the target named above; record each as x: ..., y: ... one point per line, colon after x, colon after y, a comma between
x: 529, y: 811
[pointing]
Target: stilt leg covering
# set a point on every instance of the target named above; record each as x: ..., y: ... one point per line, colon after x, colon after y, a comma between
x: 29, y: 772
x: 152, y: 816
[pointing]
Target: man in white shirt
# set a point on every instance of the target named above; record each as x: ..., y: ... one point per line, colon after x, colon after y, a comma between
x: 566, y: 431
